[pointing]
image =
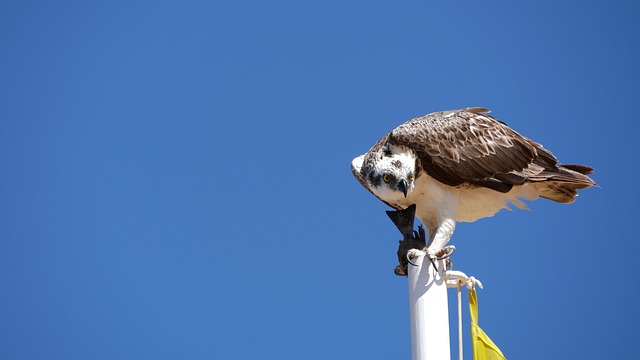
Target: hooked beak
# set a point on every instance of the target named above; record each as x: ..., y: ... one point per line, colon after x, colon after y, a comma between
x: 402, y: 186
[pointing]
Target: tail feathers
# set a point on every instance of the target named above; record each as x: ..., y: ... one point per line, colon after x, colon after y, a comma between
x: 582, y: 169
x: 562, y: 184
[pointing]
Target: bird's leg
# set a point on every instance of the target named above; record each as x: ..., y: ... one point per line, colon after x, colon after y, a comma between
x: 436, y: 248
x: 408, y: 249
x: 441, y: 236
x: 440, y: 233
x: 432, y: 234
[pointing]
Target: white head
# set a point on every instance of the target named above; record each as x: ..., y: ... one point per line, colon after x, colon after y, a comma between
x: 390, y: 173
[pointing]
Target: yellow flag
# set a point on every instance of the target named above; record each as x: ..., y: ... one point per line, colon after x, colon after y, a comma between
x: 483, y: 347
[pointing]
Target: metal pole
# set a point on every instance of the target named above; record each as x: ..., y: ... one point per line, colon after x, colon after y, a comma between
x: 429, y: 311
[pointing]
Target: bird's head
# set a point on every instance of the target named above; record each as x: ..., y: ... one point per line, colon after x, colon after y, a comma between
x: 392, y: 174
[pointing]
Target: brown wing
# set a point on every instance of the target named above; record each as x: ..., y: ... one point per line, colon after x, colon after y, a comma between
x: 469, y: 146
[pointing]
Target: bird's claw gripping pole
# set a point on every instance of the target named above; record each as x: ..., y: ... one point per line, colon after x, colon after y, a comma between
x: 413, y: 242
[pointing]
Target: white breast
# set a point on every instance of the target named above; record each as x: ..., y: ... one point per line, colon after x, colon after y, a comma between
x: 468, y: 204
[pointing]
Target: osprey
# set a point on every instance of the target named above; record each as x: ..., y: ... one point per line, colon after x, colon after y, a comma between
x: 462, y: 165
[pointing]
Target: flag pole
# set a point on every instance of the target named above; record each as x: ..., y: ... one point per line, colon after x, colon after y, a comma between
x: 428, y: 306
x: 428, y: 310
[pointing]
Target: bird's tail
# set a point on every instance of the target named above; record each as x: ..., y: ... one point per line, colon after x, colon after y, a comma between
x: 562, y: 183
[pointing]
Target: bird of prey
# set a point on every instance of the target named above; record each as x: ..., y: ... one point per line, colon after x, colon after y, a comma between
x: 460, y: 166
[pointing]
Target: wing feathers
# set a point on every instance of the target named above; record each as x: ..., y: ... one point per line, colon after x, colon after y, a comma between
x: 469, y: 146
x: 464, y: 145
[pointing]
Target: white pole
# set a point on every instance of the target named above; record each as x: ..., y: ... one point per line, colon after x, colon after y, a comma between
x: 429, y: 311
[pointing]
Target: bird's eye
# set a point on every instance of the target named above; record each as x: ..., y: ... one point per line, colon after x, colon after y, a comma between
x: 411, y: 177
x: 386, y: 178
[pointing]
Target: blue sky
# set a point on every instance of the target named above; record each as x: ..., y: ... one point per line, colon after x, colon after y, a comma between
x: 176, y: 182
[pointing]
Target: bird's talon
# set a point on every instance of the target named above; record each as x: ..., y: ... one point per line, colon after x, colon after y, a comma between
x: 433, y: 262
x: 445, y: 252
x: 412, y: 254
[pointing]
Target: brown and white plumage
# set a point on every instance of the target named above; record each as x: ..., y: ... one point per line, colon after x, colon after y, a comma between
x: 462, y: 165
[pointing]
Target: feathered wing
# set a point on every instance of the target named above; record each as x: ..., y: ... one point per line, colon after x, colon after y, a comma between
x: 468, y: 146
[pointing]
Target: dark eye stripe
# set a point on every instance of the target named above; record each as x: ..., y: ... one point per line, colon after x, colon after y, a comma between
x: 375, y: 180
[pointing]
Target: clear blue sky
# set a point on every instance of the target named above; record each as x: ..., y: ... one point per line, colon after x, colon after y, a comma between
x: 175, y: 175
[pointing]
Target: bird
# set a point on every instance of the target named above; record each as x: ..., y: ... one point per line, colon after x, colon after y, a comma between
x: 461, y: 166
